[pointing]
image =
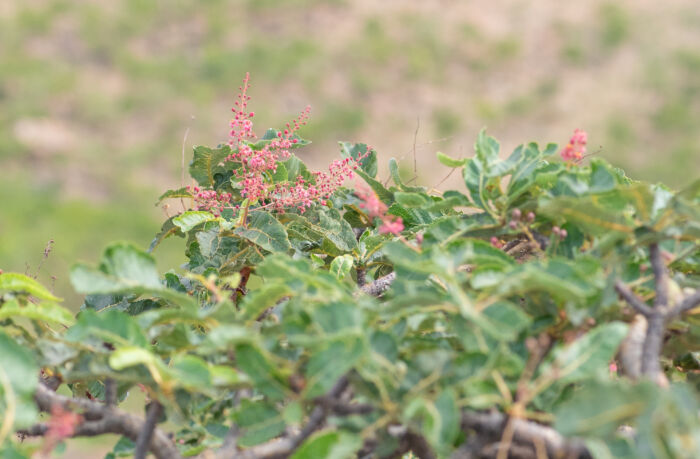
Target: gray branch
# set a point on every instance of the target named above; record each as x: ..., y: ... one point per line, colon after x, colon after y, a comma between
x: 107, y: 419
x: 380, y: 285
x: 491, y: 425
x: 660, y: 276
x: 688, y: 303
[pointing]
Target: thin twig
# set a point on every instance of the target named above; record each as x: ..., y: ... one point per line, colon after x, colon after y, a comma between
x: 632, y: 299
x: 110, y: 392
x: 415, y: 138
x: 155, y: 410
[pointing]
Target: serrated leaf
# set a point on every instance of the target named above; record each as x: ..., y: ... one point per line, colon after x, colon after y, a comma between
x: 207, y: 163
x: 190, y: 219
x: 266, y: 231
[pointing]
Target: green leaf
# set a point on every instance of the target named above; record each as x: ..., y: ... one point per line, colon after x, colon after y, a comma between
x: 122, y: 267
x: 109, y: 325
x: 266, y: 231
x: 190, y: 219
x: 329, y: 363
x: 598, y: 409
x: 191, y: 372
x: 525, y: 161
x: 412, y: 199
x: 329, y: 445
x: 341, y: 266
x: 296, y: 168
x: 267, y: 296
x: 173, y: 194
x: 450, y: 162
x: 368, y: 164
x: 263, y: 374
x: 207, y: 163
x: 259, y: 422
x: 168, y: 229
x: 17, y: 283
x: 504, y: 320
x: 583, y: 212
x: 384, y: 195
x: 18, y: 381
x: 125, y: 269
x: 587, y: 357
x: 281, y: 174
x: 44, y: 311
x: 396, y: 177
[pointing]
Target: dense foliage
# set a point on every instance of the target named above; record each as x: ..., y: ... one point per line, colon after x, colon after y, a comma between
x: 377, y: 320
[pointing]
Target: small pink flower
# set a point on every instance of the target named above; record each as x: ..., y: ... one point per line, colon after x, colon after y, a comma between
x: 392, y: 226
x: 576, y: 147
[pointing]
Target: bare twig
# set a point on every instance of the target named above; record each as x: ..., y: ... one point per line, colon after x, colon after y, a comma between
x: 380, y: 285
x: 155, y: 410
x: 110, y: 392
x: 415, y: 138
x: 632, y: 299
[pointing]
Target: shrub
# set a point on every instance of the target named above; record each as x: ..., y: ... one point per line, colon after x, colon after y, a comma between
x: 544, y: 311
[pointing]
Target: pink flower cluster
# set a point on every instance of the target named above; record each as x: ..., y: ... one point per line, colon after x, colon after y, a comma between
x: 576, y: 147
x: 303, y: 193
x: 256, y: 166
x: 375, y: 208
x: 210, y: 200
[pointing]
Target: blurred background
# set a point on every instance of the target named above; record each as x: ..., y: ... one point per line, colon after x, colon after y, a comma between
x: 96, y: 96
